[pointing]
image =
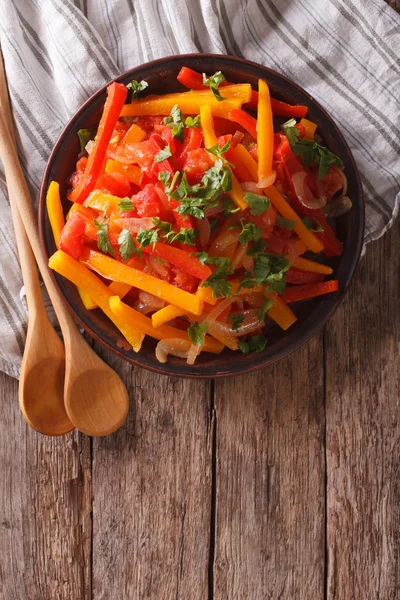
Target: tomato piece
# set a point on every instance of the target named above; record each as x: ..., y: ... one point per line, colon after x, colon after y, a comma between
x: 147, y: 202
x: 192, y: 140
x: 115, y: 184
x: 266, y: 221
x: 73, y: 235
x: 196, y: 163
x: 77, y: 174
x: 184, y: 280
x: 150, y: 124
x: 140, y: 153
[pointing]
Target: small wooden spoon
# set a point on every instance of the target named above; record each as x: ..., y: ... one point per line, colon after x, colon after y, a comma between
x: 96, y: 400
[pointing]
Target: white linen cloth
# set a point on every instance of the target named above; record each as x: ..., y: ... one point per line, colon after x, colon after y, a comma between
x: 346, y: 53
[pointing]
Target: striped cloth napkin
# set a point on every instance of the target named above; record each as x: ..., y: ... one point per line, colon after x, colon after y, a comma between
x: 346, y: 53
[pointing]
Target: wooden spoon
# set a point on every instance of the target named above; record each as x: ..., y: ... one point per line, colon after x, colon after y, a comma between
x: 96, y: 400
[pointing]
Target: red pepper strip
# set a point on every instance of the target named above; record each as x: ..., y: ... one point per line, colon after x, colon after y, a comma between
x: 192, y: 141
x: 194, y: 80
x: 294, y: 276
x: 159, y: 144
x: 310, y: 290
x: 116, y: 96
x: 248, y: 122
x: 180, y: 258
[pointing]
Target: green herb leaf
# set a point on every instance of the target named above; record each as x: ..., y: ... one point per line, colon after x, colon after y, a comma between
x: 216, y: 150
x: 266, y: 305
x: 127, y: 246
x: 163, y: 225
x: 175, y: 121
x: 250, y: 232
x: 236, y: 319
x: 218, y: 281
x: 126, y: 204
x: 196, y: 332
x: 291, y: 132
x: 257, y: 248
x: 271, y: 269
x: 164, y: 177
x: 103, y: 241
x: 136, y: 87
x: 312, y: 225
x: 247, y: 281
x: 192, y: 122
x: 255, y: 344
x: 285, y: 223
x: 228, y: 205
x: 184, y: 235
x: 218, y: 178
x: 213, y: 83
x: 145, y: 237
x: 85, y: 135
x: 163, y: 154
x: 258, y: 204
x: 213, y: 224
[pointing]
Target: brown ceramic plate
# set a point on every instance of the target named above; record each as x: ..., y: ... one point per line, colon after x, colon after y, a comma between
x: 312, y: 314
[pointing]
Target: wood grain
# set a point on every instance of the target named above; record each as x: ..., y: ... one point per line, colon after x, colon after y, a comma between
x: 270, y: 481
x: 363, y: 431
x: 45, y: 525
x: 151, y: 493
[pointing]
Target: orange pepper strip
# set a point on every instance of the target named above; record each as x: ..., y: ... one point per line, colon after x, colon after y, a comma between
x: 88, y: 213
x: 135, y: 319
x: 205, y: 294
x: 309, y: 128
x: 303, y: 264
x: 166, y: 314
x: 102, y: 202
x: 237, y: 91
x: 133, y: 135
x: 113, y: 269
x: 300, y: 246
x: 280, y: 313
x: 131, y: 172
x: 279, y: 202
x: 119, y: 289
x: 210, y: 139
x: 265, y: 136
x: 82, y: 277
x: 189, y: 105
x: 56, y: 218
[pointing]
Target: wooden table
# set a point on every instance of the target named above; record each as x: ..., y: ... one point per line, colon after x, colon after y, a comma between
x: 284, y: 484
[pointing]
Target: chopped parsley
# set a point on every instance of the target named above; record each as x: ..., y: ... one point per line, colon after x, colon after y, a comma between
x: 236, y: 319
x: 127, y: 245
x: 85, y: 135
x: 163, y: 154
x: 163, y: 225
x: 271, y: 269
x: 103, y: 241
x: 196, y: 332
x: 136, y: 88
x: 175, y: 122
x: 256, y: 343
x: 145, y: 237
x: 192, y: 122
x: 184, y: 235
x: 164, y: 177
x: 258, y: 204
x: 285, y: 223
x: 257, y: 248
x: 218, y: 281
x: 247, y: 281
x: 266, y: 305
x: 213, y: 83
x: 217, y: 150
x: 126, y: 204
x: 250, y: 232
x: 312, y: 224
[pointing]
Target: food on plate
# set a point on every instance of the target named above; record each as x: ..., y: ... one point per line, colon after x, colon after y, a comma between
x: 195, y: 222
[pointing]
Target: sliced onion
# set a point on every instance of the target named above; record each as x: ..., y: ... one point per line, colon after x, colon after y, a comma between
x: 223, y: 333
x: 193, y: 353
x: 210, y: 211
x: 125, y: 160
x: 238, y: 256
x: 143, y: 308
x: 229, y: 238
x: 152, y: 301
x: 250, y: 323
x: 158, y: 267
x: 133, y: 224
x: 204, y: 228
x: 253, y: 299
x: 248, y: 263
x: 267, y: 180
x: 303, y: 192
x: 291, y: 250
x: 338, y: 207
x: 163, y: 197
x: 237, y: 138
x: 174, y: 346
x: 221, y: 306
x: 250, y: 186
x: 89, y: 146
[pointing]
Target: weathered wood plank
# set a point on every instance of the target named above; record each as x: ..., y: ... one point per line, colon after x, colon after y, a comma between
x: 45, y: 498
x: 151, y: 489
x: 270, y: 512
x: 363, y: 430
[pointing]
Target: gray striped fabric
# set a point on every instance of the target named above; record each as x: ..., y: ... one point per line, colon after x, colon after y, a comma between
x: 346, y: 53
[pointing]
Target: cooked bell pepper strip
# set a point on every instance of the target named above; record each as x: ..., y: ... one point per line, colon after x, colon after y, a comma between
x: 194, y: 80
x: 280, y: 313
x: 193, y: 138
x: 112, y: 269
x: 104, y: 203
x: 279, y: 202
x: 158, y: 144
x: 309, y: 128
x: 303, y: 264
x: 85, y: 279
x: 311, y: 290
x: 188, y: 106
x: 205, y: 294
x: 248, y: 122
x: 300, y: 247
x: 180, y: 258
x: 88, y: 213
x: 265, y: 136
x: 210, y: 139
x: 55, y: 211
x: 116, y: 96
x: 131, y: 172
x: 133, y: 135
x: 119, y: 289
x: 166, y: 314
x: 133, y: 318
x: 233, y: 91
x: 294, y: 276
x: 87, y: 302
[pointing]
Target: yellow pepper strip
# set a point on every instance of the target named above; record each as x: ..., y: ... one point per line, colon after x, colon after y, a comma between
x: 55, y: 211
x: 205, y: 294
x: 166, y: 314
x: 265, y: 136
x: 279, y: 202
x: 86, y: 212
x: 82, y: 277
x: 102, y: 202
x: 113, y: 269
x: 189, y: 105
x: 237, y: 91
x: 142, y: 323
x: 131, y: 172
x: 133, y: 135
x: 56, y: 218
x: 303, y: 264
x: 210, y: 139
x: 309, y: 128
x: 119, y: 289
x: 280, y: 312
